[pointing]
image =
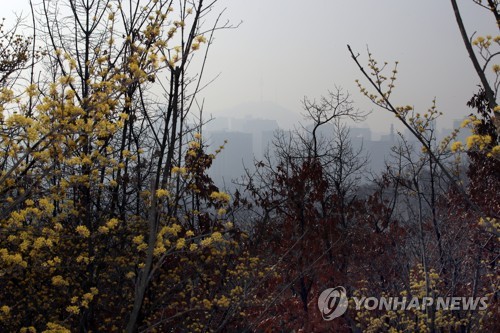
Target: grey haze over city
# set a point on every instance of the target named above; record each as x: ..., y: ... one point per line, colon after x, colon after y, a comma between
x: 281, y: 51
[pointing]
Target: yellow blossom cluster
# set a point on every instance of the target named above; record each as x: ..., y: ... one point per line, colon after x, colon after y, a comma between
x: 478, y: 141
x: 456, y: 146
x: 490, y: 223
x: 220, y: 196
x: 179, y: 170
x: 160, y: 193
x: 77, y: 209
x: 83, y: 231
x: 475, y: 141
x: 412, y: 319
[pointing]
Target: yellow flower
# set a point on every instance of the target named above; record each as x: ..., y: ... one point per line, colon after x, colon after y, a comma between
x: 111, y: 224
x: 82, y: 258
x: 456, y: 146
x: 181, y: 242
x: 159, y: 250
x: 138, y: 239
x: 220, y: 196
x: 217, y: 236
x: 83, y: 231
x: 201, y: 39
x: 161, y: 193
x: 5, y: 309
x: 88, y: 296
x: 495, y: 150
x: 66, y: 80
x: 206, y: 241
x: 56, y: 328
x: 465, y: 123
x: 103, y: 229
x: 223, y: 302
x: 194, y: 145
x: 39, y: 242
x: 207, y: 304
x: 478, y: 140
x: 58, y: 280
x: 73, y: 309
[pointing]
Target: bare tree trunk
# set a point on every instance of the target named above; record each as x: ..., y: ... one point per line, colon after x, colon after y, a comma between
x: 144, y: 276
x: 490, y: 95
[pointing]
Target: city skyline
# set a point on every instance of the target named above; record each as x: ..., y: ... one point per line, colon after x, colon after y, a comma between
x: 282, y: 50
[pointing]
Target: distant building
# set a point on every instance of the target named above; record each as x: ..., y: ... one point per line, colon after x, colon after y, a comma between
x: 361, y: 133
x: 255, y: 126
x: 462, y: 134
x: 266, y: 142
x: 379, y: 151
x: 218, y: 124
x: 249, y: 138
x: 391, y: 137
x: 237, y: 154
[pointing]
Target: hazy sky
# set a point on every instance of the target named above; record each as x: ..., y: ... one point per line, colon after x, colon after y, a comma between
x: 287, y: 49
